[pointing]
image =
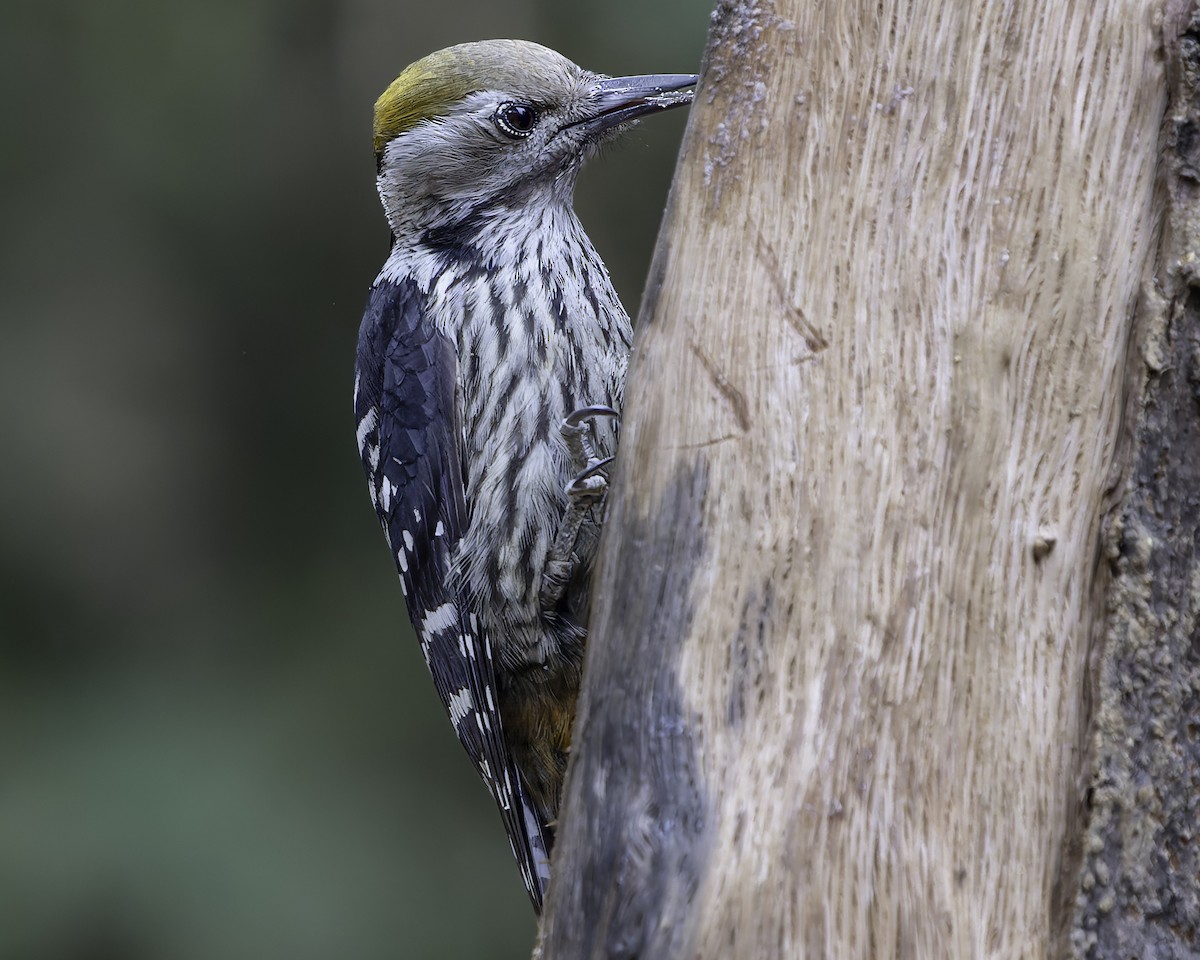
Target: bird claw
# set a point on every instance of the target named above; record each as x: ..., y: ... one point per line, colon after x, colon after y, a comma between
x: 588, y: 488
x: 590, y: 480
x: 576, y: 418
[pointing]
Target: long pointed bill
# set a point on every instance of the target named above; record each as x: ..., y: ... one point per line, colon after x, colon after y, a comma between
x: 618, y: 100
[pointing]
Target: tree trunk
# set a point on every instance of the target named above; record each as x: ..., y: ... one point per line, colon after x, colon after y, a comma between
x: 839, y: 694
x: 1139, y: 889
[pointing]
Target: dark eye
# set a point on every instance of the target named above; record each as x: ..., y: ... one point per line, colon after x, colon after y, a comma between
x: 516, y: 119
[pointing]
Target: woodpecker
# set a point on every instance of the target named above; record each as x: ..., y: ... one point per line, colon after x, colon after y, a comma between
x: 491, y: 361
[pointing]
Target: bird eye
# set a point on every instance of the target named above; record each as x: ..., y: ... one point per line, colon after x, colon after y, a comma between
x: 516, y: 120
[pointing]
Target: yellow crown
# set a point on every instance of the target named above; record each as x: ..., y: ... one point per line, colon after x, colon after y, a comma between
x: 428, y: 88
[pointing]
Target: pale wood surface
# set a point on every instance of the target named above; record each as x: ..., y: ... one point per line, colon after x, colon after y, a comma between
x: 835, y: 702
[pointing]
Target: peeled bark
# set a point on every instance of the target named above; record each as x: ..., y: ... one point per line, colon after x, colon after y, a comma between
x: 839, y: 694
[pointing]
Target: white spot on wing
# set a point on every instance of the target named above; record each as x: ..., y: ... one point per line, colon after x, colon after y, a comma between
x: 439, y: 530
x: 408, y: 540
x: 438, y: 619
x: 402, y: 559
x: 460, y: 704
x: 533, y: 830
x: 368, y: 423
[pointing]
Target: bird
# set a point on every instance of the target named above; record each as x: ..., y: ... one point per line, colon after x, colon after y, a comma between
x: 489, y: 374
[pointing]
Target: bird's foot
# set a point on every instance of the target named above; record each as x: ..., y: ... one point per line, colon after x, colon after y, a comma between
x: 586, y: 489
x: 591, y: 480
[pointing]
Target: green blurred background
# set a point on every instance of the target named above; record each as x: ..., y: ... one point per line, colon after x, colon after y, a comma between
x: 217, y: 736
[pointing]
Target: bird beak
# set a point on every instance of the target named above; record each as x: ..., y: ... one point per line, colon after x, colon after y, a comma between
x: 617, y: 100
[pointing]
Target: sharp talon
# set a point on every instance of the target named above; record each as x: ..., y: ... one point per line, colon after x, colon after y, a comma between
x: 585, y: 493
x: 580, y: 484
x: 576, y: 417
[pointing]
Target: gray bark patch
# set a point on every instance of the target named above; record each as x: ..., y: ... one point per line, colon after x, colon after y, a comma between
x: 1138, y: 894
x: 634, y: 840
x: 734, y: 76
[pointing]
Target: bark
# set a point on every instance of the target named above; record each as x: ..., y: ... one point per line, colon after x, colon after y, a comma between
x: 838, y: 699
x: 1139, y: 890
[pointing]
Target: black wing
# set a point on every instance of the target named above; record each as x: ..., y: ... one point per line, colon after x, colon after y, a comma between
x: 409, y: 439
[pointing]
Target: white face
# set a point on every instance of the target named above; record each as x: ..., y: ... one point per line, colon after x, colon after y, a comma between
x: 496, y: 146
x: 519, y: 139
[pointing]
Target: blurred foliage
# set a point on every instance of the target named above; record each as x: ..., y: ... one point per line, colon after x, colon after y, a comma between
x: 217, y: 735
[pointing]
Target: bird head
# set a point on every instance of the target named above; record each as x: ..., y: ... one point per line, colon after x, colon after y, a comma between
x: 499, y: 123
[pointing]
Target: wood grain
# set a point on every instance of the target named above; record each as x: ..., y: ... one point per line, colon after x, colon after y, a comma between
x: 851, y: 564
